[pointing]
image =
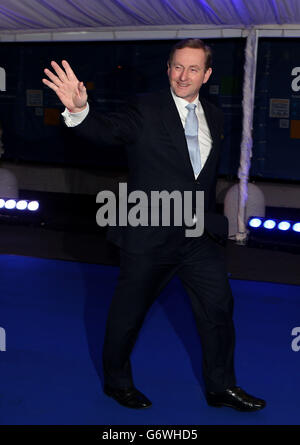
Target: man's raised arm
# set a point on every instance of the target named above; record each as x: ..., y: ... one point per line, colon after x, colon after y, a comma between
x: 111, y: 129
x: 70, y: 91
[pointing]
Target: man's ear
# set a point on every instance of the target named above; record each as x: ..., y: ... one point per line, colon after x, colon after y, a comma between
x: 207, y: 75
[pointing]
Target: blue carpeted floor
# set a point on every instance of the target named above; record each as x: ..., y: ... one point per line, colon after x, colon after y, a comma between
x: 54, y: 316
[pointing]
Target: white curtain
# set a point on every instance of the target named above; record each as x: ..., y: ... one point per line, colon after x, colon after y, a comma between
x: 247, y: 142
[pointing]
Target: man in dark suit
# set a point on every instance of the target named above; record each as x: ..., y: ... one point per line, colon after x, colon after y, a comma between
x: 173, y: 143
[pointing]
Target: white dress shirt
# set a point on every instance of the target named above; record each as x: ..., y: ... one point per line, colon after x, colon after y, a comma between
x: 73, y: 119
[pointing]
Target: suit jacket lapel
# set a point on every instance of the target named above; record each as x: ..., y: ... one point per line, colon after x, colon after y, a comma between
x: 173, y: 124
x: 210, y: 120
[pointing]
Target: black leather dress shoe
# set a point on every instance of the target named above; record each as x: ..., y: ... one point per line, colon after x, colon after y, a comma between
x: 129, y: 397
x: 236, y: 398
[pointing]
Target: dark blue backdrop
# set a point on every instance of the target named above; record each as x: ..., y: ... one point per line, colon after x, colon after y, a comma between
x: 116, y: 70
x: 276, y: 151
x: 112, y: 71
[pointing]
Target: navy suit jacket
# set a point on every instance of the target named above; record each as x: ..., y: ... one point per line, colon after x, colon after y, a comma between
x: 158, y: 159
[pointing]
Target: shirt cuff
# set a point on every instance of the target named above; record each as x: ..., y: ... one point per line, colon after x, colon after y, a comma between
x: 74, y: 119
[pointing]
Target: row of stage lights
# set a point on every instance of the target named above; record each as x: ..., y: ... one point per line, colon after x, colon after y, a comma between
x: 273, y: 224
x: 22, y: 204
x: 270, y: 224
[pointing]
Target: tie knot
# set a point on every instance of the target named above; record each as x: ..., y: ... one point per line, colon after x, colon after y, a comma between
x: 191, y: 107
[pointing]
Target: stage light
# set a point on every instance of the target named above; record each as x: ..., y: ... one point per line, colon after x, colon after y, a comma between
x: 33, y: 206
x: 274, y: 233
x: 296, y: 227
x: 255, y: 222
x: 284, y: 225
x: 13, y: 206
x: 21, y: 205
x: 20, y: 211
x: 269, y: 224
x: 10, y: 204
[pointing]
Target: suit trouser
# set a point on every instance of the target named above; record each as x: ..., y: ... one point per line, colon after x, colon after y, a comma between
x: 200, y: 265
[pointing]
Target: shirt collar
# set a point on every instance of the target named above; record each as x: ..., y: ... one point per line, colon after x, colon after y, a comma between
x: 182, y: 103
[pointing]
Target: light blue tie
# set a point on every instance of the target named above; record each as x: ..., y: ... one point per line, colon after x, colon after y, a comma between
x: 191, y: 134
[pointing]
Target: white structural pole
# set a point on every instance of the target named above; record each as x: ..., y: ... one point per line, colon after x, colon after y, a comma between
x: 246, y: 144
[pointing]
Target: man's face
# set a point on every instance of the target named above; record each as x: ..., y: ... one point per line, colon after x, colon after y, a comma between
x: 187, y: 72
